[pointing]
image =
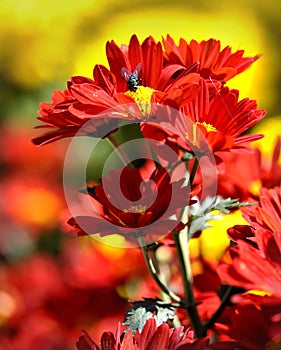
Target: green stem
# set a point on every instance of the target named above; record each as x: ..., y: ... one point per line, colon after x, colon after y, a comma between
x: 153, y: 271
x: 181, y: 239
x: 180, y: 161
x: 154, y: 157
x: 122, y: 155
x: 190, y: 182
x: 220, y: 309
x: 193, y: 171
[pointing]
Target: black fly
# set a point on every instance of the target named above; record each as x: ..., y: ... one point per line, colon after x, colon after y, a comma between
x: 132, y: 79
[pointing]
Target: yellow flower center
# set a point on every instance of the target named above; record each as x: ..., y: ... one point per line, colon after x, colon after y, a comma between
x: 142, y: 97
x: 208, y: 127
x: 136, y: 209
x: 258, y: 292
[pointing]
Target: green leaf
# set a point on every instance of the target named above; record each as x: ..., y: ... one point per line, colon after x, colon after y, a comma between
x: 163, y: 314
x: 225, y: 204
x: 201, y: 212
x: 142, y: 310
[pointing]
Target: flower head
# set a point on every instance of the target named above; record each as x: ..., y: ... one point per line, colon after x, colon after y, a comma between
x: 256, y: 259
x: 138, y: 207
x: 266, y: 215
x: 254, y: 268
x: 211, y: 123
x: 254, y: 264
x: 258, y: 171
x: 213, y: 63
x: 86, y: 98
x: 253, y: 327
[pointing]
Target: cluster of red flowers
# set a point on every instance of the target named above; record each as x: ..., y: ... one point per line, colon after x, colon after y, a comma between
x: 188, y: 76
x: 176, y: 95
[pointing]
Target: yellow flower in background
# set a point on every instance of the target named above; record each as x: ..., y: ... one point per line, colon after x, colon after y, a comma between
x: 214, y: 240
x: 37, y: 39
x: 271, y: 129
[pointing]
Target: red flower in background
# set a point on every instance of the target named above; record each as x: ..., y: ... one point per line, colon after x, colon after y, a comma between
x: 214, y: 63
x: 271, y: 170
x: 206, y: 287
x: 140, y: 207
x: 253, y: 327
x: 31, y: 194
x: 46, y: 299
x: 255, y: 268
x: 254, y: 264
x: 34, y: 204
x: 267, y: 215
x: 258, y: 171
x: 255, y: 261
x: 21, y: 157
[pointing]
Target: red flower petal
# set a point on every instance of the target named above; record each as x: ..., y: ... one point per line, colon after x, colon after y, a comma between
x: 86, y: 343
x: 152, y: 62
x: 105, y: 79
x: 108, y: 341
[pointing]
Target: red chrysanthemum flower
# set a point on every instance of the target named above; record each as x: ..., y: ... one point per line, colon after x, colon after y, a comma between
x: 214, y: 124
x: 253, y: 327
x: 255, y: 261
x: 140, y: 207
x: 72, y: 109
x: 258, y: 171
x: 86, y: 98
x: 152, y: 338
x: 255, y: 268
x: 149, y: 55
x: 271, y: 171
x: 213, y: 63
x: 267, y: 215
